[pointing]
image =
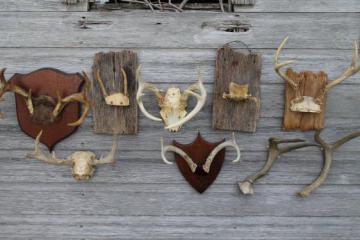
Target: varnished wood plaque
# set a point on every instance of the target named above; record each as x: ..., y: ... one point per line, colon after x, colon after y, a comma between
x: 198, y: 151
x: 310, y: 84
x: 47, y: 82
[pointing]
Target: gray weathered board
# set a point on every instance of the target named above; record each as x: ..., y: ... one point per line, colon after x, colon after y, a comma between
x: 141, y: 197
x: 240, y: 68
x: 107, y: 118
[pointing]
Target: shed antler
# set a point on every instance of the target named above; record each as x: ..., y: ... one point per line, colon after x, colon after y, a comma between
x: 351, y: 70
x: 328, y: 150
x: 274, y: 152
x: 81, y: 97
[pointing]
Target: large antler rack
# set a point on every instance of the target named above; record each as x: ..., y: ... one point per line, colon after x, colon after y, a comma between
x: 307, y: 103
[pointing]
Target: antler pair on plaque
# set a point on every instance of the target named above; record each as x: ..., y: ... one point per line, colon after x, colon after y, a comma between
x: 306, y: 92
x: 44, y: 109
x: 200, y: 161
x: 275, y: 151
x: 172, y: 103
x: 115, y: 98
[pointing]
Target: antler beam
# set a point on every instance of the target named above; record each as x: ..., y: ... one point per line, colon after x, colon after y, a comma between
x: 229, y: 143
x: 328, y: 150
x: 48, y: 158
x: 351, y: 70
x: 274, y: 152
x: 81, y: 97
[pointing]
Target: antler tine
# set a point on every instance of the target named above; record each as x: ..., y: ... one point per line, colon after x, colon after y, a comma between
x: 125, y: 81
x: 328, y: 151
x: 201, y: 99
x: 2, y: 76
x: 111, y: 157
x: 215, y: 151
x: 48, y: 158
x: 82, y: 98
x: 351, y: 70
x: 101, y: 84
x: 170, y: 148
x: 140, y: 93
x: 274, y: 152
x: 278, y: 65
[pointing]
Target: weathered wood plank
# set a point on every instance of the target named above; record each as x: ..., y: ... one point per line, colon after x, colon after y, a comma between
x: 170, y: 200
x: 241, y: 71
x: 40, y: 6
x: 146, y: 167
x: 301, y: 6
x: 109, y: 118
x: 181, y: 63
x: 272, y: 106
x: 197, y: 30
x: 260, y: 6
x: 132, y: 227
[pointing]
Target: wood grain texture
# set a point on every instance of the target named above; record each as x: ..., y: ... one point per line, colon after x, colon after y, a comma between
x: 259, y: 6
x: 141, y: 197
x: 197, y: 30
x: 240, y: 68
x: 109, y: 119
x: 310, y: 84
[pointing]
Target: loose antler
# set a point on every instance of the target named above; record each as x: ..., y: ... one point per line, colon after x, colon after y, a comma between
x: 328, y: 150
x: 274, y: 152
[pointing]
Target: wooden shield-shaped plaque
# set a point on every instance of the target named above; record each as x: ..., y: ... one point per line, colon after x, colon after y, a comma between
x: 107, y: 118
x: 47, y: 82
x: 242, y: 69
x: 198, y: 151
x: 310, y: 84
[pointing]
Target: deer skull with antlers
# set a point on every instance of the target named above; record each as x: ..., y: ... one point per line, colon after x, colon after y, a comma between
x: 173, y: 103
x: 83, y: 162
x: 309, y: 103
x: 44, y: 109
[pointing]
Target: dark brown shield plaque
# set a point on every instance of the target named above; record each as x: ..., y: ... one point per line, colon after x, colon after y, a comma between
x: 48, y: 82
x: 198, y: 151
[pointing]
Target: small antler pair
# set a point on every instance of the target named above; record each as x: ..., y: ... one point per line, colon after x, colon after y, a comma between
x: 81, y: 97
x: 207, y: 165
x: 307, y: 103
x: 114, y: 98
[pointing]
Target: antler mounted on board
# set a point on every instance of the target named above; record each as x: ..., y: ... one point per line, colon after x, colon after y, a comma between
x: 207, y: 165
x: 115, y: 98
x: 301, y: 102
